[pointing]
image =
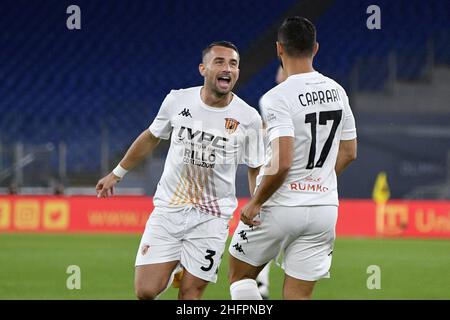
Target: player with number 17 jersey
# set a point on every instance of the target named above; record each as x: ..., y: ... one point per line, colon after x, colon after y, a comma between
x: 311, y: 139
x: 313, y: 109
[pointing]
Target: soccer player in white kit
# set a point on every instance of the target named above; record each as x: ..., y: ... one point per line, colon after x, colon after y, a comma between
x: 312, y: 139
x: 211, y: 131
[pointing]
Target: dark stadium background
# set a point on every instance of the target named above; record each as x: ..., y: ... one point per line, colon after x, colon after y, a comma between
x: 72, y: 101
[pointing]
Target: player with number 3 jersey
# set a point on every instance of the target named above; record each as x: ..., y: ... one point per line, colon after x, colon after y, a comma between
x: 211, y: 131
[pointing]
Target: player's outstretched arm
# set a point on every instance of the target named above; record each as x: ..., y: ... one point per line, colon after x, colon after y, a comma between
x: 141, y: 147
x: 346, y: 154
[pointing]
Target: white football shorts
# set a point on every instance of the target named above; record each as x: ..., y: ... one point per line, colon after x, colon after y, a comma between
x: 194, y: 238
x: 304, y: 236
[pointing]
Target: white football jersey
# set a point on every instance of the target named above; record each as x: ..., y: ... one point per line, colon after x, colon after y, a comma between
x: 313, y: 109
x: 207, y: 144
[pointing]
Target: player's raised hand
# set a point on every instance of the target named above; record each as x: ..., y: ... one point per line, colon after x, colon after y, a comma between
x: 105, y: 186
x: 248, y: 214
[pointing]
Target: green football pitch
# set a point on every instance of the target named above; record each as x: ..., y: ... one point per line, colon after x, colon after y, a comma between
x: 35, y: 267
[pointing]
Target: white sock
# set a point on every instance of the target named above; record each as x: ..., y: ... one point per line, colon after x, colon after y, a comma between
x: 245, y: 289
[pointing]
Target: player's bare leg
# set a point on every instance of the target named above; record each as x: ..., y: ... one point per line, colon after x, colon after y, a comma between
x: 191, y: 287
x: 241, y: 270
x: 296, y: 289
x: 242, y: 278
x: 152, y: 279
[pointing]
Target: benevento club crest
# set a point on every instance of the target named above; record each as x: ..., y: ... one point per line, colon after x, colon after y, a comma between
x: 231, y: 125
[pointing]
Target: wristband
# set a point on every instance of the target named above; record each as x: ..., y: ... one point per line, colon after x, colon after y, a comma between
x: 119, y: 171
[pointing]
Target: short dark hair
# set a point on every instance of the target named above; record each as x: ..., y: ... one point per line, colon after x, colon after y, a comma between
x: 226, y: 44
x: 298, y: 36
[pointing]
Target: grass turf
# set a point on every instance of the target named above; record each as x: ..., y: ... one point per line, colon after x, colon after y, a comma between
x: 34, y: 267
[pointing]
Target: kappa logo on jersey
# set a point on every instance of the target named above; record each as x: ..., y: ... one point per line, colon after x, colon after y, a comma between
x: 185, y: 113
x: 231, y: 125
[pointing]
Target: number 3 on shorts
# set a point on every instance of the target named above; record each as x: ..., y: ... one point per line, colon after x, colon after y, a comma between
x: 209, y: 257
